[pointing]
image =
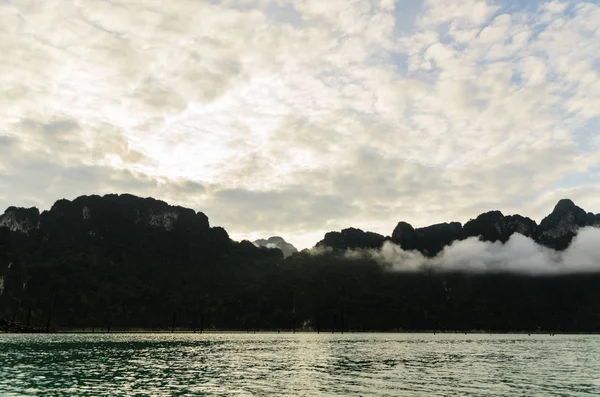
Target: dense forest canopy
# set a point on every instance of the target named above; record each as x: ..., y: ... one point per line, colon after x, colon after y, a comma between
x: 130, y: 262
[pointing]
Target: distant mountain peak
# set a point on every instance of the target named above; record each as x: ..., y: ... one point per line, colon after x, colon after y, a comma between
x: 556, y: 231
x: 565, y: 205
x: 277, y: 242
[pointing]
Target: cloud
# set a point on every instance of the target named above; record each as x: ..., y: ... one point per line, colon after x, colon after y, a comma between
x: 296, y: 209
x: 344, y: 113
x: 519, y: 254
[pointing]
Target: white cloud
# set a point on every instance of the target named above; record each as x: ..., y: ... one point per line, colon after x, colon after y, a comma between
x: 555, y: 7
x: 519, y: 254
x: 497, y: 31
x: 470, y: 12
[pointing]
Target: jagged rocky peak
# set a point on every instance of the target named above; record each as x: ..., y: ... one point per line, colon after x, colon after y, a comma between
x: 125, y: 209
x: 565, y: 205
x: 494, y: 226
x: 593, y: 220
x: 521, y: 224
x: 277, y: 242
x: 402, y: 231
x: 20, y: 220
x: 555, y: 231
x: 429, y: 240
x: 352, y: 238
x: 558, y: 229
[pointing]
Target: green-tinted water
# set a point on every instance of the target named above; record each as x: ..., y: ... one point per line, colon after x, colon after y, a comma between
x: 298, y: 365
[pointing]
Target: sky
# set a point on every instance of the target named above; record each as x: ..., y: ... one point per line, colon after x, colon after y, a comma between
x: 295, y: 118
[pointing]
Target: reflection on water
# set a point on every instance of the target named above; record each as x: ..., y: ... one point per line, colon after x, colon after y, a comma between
x: 298, y: 365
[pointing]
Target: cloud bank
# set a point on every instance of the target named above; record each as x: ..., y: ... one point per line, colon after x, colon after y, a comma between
x: 519, y: 254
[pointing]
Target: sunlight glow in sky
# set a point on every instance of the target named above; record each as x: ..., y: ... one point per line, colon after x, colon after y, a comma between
x: 295, y: 118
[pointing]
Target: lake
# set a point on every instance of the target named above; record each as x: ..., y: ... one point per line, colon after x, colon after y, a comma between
x: 299, y: 365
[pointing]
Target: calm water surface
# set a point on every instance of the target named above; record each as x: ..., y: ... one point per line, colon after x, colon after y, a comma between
x: 298, y: 365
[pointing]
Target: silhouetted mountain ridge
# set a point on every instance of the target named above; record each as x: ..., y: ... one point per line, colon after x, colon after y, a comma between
x: 127, y: 261
x: 556, y: 231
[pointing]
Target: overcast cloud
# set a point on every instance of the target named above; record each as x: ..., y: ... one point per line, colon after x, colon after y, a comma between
x: 296, y: 118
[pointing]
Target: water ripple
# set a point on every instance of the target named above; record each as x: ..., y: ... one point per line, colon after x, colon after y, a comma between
x: 379, y: 365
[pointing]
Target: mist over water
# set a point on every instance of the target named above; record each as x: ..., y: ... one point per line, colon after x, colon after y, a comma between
x: 520, y: 254
x: 374, y: 365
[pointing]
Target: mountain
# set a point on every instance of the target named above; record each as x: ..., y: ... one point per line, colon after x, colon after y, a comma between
x: 120, y: 261
x: 20, y: 219
x: 351, y: 238
x: 556, y: 231
x: 429, y: 240
x: 494, y: 226
x: 105, y: 253
x: 277, y: 242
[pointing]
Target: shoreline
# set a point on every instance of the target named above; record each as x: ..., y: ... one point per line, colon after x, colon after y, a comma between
x: 77, y: 331
x: 10, y: 327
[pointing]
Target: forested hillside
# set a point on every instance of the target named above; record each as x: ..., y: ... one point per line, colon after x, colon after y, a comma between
x: 128, y: 262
